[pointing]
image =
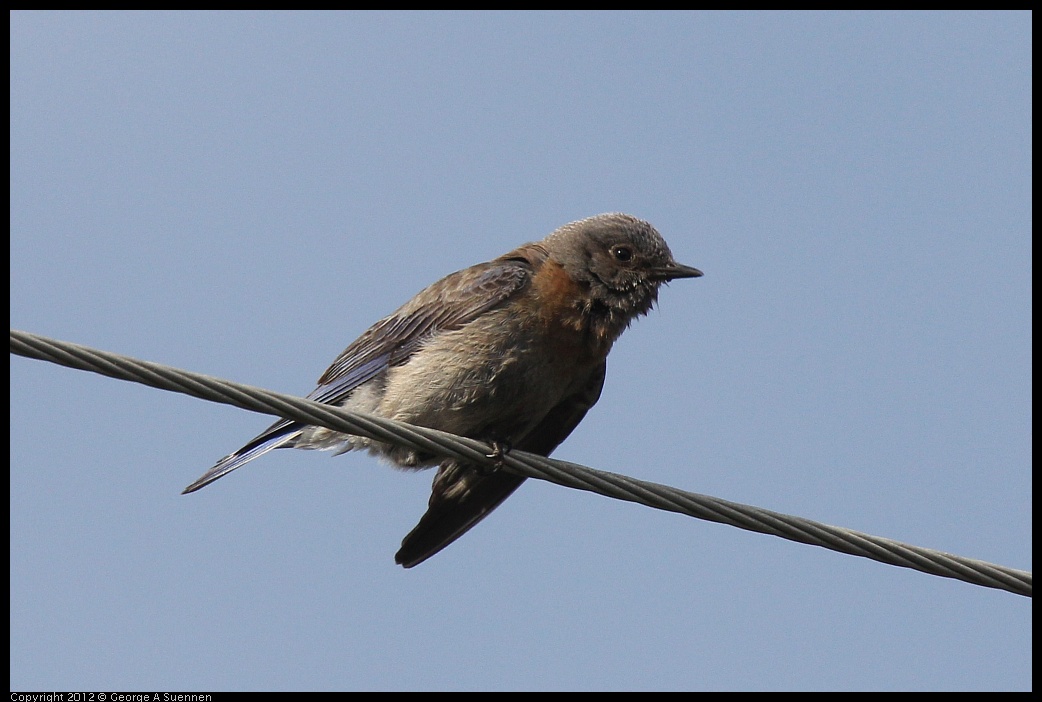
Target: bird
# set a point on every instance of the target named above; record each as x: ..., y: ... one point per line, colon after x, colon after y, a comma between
x: 511, y: 352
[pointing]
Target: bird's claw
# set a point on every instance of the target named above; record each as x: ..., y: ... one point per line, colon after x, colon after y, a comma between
x: 499, y: 451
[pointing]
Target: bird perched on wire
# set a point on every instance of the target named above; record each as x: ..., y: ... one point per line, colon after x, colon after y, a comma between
x: 511, y: 351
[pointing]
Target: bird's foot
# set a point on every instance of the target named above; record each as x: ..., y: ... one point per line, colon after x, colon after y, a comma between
x: 499, y: 451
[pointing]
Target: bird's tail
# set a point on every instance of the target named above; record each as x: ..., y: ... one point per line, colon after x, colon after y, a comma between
x: 460, y: 498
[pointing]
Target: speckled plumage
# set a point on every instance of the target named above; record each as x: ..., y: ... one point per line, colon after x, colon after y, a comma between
x: 511, y: 351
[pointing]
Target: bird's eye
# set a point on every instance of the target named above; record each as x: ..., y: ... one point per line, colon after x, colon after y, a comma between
x: 622, y: 253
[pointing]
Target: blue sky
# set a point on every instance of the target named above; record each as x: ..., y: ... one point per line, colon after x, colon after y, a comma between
x: 242, y: 194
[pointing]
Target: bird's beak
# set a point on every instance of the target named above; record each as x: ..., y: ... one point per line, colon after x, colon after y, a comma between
x: 674, y: 271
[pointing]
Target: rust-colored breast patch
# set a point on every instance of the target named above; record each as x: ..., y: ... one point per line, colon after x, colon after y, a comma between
x: 557, y: 295
x: 559, y: 302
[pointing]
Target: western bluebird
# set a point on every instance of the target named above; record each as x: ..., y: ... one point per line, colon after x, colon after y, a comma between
x: 511, y: 352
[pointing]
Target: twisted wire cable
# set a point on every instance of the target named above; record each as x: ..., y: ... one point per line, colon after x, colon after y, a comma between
x: 529, y: 465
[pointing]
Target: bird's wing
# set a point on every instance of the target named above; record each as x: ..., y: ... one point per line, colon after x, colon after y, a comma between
x: 463, y: 495
x: 449, y: 304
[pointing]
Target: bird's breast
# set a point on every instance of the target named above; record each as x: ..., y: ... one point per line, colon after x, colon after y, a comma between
x: 502, y: 373
x: 567, y: 317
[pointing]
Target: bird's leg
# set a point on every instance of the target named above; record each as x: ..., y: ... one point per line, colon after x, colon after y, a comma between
x: 499, y: 450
